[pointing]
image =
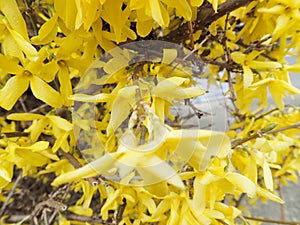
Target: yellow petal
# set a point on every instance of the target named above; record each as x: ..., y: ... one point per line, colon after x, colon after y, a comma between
x: 12, y: 91
x: 67, y: 11
x: 45, y: 93
x: 268, y: 195
x: 47, y: 32
x: 260, y: 65
x: 144, y: 27
x: 10, y: 66
x: 214, y: 4
x: 80, y: 210
x: 99, y: 166
x: 277, y: 9
x: 282, y: 23
x: 155, y: 170
x: 61, y: 123
x: 24, y: 45
x: 248, y: 76
x: 182, y: 8
x: 61, y: 137
x: 94, y: 9
x: 29, y: 159
x: 38, y: 146
x: 24, y: 116
x: 238, y: 57
x: 38, y: 127
x: 159, y: 13
x: 294, y: 68
x: 102, y: 97
x: 278, y: 90
x: 197, y: 3
x: 121, y: 107
x: 11, y: 11
x: 268, y: 178
x: 242, y: 183
x: 169, y: 55
x: 6, y: 170
x: 10, y: 47
x: 70, y: 44
x: 65, y: 85
x: 118, y: 62
x: 198, y: 146
x: 165, y: 89
x: 48, y: 71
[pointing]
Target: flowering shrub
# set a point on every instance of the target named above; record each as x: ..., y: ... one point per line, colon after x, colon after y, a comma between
x: 87, y: 130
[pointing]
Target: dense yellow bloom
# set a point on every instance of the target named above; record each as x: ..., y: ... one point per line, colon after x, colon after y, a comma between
x: 108, y: 138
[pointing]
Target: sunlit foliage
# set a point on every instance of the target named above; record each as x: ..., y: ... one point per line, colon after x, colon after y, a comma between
x: 48, y: 45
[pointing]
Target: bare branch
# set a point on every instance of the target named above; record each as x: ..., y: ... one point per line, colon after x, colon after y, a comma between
x: 8, y: 198
x: 261, y: 133
x: 271, y: 221
x: 205, y: 16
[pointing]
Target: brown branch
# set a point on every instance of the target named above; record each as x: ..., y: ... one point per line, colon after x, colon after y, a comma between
x: 261, y: 133
x: 120, y: 211
x: 229, y: 78
x: 282, y: 209
x: 13, y: 134
x: 66, y: 191
x: 272, y: 221
x: 49, y: 203
x: 88, y: 219
x: 76, y: 164
x: 205, y: 16
x: 265, y: 114
x: 8, y: 198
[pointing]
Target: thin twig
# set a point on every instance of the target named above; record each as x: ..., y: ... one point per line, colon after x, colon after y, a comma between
x: 191, y: 34
x: 296, y: 125
x: 32, y: 20
x: 188, y: 55
x: 198, y: 112
x: 52, y: 217
x: 282, y: 210
x: 120, y: 211
x: 38, y: 108
x: 23, y: 105
x: 75, y: 163
x: 205, y: 16
x: 229, y: 78
x: 88, y: 219
x: 271, y: 221
x: 13, y: 134
x: 197, y: 48
x: 51, y: 203
x: 261, y: 133
x: 266, y: 113
x: 5, y: 204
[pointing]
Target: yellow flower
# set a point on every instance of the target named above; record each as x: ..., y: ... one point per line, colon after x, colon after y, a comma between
x: 28, y: 75
x: 27, y: 157
x: 286, y: 13
x: 248, y: 63
x: 15, y: 36
x: 61, y: 128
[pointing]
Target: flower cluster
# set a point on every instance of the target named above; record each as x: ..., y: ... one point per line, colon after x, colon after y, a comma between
x: 87, y: 118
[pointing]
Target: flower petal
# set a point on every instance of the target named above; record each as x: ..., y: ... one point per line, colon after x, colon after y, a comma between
x: 41, y: 90
x: 248, y: 76
x: 12, y: 91
x: 10, y: 66
x: 243, y: 183
x: 12, y: 13
x: 24, y: 116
